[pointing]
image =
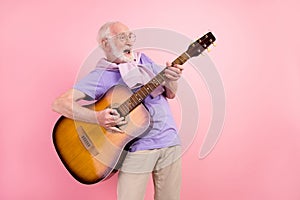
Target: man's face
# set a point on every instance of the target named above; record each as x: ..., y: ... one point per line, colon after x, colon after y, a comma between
x: 120, y: 42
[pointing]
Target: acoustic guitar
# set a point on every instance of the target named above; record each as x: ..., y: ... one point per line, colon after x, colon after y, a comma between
x: 90, y: 152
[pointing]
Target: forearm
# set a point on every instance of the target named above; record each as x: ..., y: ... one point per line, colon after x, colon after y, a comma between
x: 81, y: 113
x: 68, y: 106
x: 171, y: 89
x: 172, y: 74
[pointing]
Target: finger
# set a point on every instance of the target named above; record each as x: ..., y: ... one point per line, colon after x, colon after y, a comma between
x: 168, y: 64
x: 172, y: 73
x: 174, y: 70
x: 119, y: 119
x: 114, y: 112
x: 180, y: 67
x: 177, y: 68
x: 113, y: 118
x: 113, y: 121
x: 171, y: 78
x: 115, y: 129
x: 120, y: 123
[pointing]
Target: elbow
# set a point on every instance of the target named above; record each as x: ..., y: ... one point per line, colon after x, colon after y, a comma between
x: 56, y: 105
x: 61, y: 104
x: 64, y: 104
x: 170, y: 90
x: 169, y: 93
x: 171, y: 96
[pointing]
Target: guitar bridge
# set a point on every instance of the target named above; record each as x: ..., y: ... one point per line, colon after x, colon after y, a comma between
x: 86, y: 141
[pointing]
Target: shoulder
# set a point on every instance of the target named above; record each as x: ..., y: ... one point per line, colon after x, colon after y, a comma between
x: 144, y: 59
x: 99, y: 73
x: 148, y: 62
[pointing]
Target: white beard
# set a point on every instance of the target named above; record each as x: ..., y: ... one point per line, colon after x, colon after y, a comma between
x: 120, y: 53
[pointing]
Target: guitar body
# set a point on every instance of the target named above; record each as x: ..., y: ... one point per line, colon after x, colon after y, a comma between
x: 90, y: 152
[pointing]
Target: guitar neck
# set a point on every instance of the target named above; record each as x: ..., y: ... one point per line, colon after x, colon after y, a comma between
x: 138, y: 97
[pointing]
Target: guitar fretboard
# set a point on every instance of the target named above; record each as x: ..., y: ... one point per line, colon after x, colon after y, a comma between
x: 137, y: 98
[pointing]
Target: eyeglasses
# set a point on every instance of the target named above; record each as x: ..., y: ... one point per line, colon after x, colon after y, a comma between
x: 123, y: 37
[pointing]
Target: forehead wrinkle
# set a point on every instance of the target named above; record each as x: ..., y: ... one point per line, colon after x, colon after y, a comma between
x: 118, y: 28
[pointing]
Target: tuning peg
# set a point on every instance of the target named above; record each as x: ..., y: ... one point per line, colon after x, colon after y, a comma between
x: 214, y: 44
x: 208, y: 49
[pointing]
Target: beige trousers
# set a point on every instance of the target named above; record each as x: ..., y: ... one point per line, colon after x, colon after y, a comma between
x: 164, y: 165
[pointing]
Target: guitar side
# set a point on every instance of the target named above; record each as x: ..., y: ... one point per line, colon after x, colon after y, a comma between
x: 91, y: 153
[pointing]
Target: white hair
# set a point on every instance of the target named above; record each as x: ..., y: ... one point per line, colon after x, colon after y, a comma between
x: 104, y: 31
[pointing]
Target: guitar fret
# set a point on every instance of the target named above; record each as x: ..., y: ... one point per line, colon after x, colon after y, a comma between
x: 138, y: 98
x: 151, y: 86
x: 124, y: 109
x: 181, y: 59
x: 120, y: 109
x: 144, y: 93
x: 134, y: 100
x: 162, y: 77
x: 128, y: 107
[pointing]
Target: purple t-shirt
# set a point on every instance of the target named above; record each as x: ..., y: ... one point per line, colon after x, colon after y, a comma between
x: 163, y: 132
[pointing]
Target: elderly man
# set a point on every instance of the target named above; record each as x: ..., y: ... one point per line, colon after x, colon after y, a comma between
x: 157, y: 152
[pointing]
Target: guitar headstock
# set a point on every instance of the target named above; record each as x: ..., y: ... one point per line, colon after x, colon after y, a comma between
x: 200, y: 45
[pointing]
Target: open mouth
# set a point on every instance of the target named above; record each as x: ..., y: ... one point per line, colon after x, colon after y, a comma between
x: 127, y: 51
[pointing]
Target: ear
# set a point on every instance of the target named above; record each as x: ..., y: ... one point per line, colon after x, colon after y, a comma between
x: 104, y: 43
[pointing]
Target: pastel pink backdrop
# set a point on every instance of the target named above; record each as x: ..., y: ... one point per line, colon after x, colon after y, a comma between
x: 43, y: 44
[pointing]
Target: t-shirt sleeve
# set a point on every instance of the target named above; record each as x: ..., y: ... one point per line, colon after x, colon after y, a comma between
x: 148, y: 62
x: 91, y: 85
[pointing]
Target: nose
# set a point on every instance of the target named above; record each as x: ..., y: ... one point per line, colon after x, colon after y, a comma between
x: 129, y: 42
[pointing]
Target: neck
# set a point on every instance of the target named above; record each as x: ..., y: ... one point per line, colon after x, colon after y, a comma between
x: 120, y: 59
x: 113, y: 59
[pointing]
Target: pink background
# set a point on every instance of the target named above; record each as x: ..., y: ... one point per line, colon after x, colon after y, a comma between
x: 43, y: 44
